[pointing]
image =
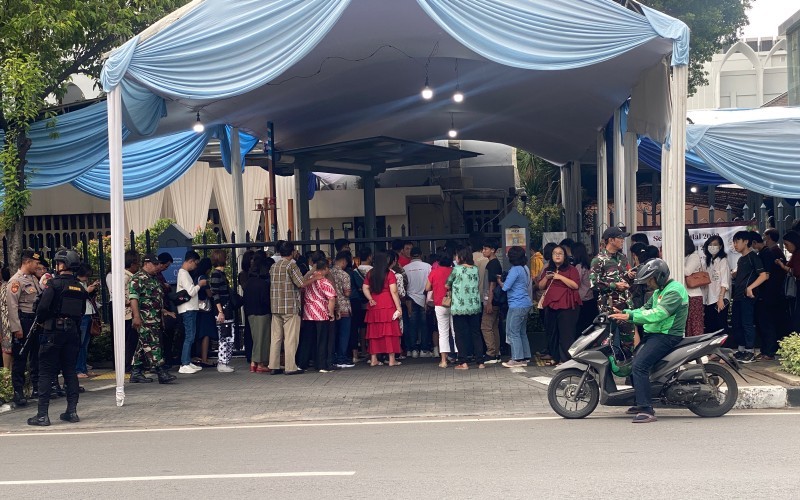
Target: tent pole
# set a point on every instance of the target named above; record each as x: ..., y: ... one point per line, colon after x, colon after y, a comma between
x: 602, y: 183
x: 619, y: 173
x: 117, y: 237
x: 577, y: 201
x: 566, y: 197
x: 673, y: 179
x: 303, y: 209
x: 238, y: 191
x: 631, y: 167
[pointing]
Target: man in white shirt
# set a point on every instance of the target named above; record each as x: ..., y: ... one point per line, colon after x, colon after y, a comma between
x: 418, y: 340
x: 188, y: 306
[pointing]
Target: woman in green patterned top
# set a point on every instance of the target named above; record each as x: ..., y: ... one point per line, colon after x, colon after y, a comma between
x: 465, y: 309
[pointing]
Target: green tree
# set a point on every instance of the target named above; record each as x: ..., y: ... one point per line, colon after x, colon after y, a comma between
x: 42, y: 44
x: 714, y: 24
x: 542, y: 181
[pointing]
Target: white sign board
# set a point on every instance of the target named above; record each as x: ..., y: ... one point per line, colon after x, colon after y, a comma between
x: 553, y: 237
x: 701, y: 235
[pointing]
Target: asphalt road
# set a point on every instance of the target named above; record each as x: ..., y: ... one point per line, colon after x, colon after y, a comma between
x: 743, y: 455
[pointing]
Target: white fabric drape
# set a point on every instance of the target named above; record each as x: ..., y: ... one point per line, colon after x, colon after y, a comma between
x: 141, y: 214
x: 284, y: 191
x: 256, y: 185
x: 191, y: 196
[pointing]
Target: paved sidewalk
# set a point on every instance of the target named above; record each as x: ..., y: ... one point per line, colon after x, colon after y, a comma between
x: 418, y: 388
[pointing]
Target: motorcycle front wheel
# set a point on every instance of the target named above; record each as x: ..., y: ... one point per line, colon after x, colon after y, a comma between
x: 564, y: 398
x: 727, y: 391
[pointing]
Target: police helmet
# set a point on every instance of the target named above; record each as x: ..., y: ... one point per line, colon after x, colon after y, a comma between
x: 655, y: 268
x: 70, y: 259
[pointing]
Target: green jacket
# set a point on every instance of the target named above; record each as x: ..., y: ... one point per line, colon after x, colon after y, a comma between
x: 665, y: 312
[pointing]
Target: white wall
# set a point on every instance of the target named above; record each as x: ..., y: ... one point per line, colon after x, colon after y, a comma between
x: 350, y: 203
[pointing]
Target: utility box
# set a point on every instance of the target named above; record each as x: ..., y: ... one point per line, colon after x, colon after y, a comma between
x: 175, y: 241
x: 514, y: 233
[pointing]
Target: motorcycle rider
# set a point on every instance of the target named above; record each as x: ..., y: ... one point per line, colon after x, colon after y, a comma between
x: 664, y: 320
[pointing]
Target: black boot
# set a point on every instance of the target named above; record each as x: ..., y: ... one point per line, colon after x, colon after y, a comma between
x: 164, y: 376
x: 40, y: 420
x: 19, y: 399
x: 70, y: 416
x: 137, y: 377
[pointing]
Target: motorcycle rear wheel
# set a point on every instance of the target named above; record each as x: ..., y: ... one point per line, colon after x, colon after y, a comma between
x: 563, y: 386
x: 728, y: 392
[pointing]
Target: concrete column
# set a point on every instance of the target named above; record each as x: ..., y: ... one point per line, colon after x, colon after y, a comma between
x: 370, y: 217
x: 303, y: 211
x: 619, y: 172
x: 673, y: 182
x: 602, y: 182
x: 631, y: 167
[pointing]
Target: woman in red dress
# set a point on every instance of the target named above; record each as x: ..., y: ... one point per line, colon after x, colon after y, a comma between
x: 383, y: 326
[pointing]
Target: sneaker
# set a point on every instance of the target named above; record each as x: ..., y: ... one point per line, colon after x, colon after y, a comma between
x: 408, y: 354
x: 739, y: 355
x: 195, y: 367
x: 224, y: 368
x: 512, y: 363
x: 345, y: 365
x: 187, y: 369
x: 492, y: 361
x: 748, y: 357
x: 426, y: 354
x: 435, y: 352
x: 415, y: 354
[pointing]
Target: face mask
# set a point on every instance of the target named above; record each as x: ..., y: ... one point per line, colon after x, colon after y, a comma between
x: 713, y: 250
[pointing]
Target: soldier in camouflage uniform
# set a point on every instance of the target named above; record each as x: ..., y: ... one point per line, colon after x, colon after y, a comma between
x: 610, y: 278
x: 147, y: 307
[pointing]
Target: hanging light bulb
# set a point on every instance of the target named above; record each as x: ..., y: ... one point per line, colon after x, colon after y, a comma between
x: 198, y: 125
x: 427, y: 91
x: 458, y: 96
x: 452, y: 133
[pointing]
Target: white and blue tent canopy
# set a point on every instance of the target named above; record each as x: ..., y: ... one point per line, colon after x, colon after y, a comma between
x: 543, y: 76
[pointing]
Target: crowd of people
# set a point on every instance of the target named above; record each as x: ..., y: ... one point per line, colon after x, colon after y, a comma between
x: 457, y: 305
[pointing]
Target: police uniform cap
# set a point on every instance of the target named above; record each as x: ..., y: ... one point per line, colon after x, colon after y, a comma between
x: 32, y: 255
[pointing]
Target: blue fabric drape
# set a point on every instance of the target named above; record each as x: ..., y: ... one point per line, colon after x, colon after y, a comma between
x: 235, y: 46
x: 148, y: 166
x: 556, y: 34
x: 79, y: 154
x: 697, y: 172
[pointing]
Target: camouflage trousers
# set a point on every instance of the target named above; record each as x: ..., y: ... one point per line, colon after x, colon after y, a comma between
x: 626, y: 330
x: 148, y: 349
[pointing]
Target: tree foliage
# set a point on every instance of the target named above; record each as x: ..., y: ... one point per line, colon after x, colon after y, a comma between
x: 43, y: 43
x: 542, y: 182
x: 714, y: 24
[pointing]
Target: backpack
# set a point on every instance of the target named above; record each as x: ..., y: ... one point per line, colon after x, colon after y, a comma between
x: 356, y: 284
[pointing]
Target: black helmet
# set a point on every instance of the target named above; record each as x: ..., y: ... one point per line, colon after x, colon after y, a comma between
x: 655, y: 268
x: 70, y: 259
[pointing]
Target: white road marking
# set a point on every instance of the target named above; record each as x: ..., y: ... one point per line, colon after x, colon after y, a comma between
x: 517, y: 369
x: 175, y: 478
x: 542, y: 380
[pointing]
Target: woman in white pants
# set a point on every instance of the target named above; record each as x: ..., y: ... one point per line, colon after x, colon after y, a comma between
x: 436, y: 284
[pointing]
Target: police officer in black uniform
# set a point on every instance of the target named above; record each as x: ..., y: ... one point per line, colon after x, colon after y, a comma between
x: 60, y: 309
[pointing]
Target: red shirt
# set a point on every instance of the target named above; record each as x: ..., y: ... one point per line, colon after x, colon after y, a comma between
x: 316, y: 304
x: 438, y: 278
x: 559, y: 295
x: 403, y: 260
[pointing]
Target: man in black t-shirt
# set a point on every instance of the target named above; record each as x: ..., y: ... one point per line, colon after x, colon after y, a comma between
x: 490, y: 321
x: 771, y: 317
x: 747, y: 277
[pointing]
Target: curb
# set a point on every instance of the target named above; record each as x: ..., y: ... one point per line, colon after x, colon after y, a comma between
x: 762, y: 397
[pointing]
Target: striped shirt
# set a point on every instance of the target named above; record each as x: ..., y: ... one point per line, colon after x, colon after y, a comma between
x: 285, y: 283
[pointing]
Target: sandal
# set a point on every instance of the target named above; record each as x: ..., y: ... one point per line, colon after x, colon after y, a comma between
x: 462, y: 366
x: 442, y: 365
x: 481, y: 366
x: 396, y: 363
x: 379, y: 363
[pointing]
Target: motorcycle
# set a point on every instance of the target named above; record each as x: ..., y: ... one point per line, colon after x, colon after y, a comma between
x: 682, y: 378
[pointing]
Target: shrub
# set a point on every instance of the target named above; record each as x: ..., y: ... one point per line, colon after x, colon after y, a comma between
x: 6, y: 390
x: 789, y: 353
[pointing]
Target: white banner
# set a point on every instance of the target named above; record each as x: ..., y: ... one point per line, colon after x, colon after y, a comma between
x: 553, y: 237
x: 702, y: 234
